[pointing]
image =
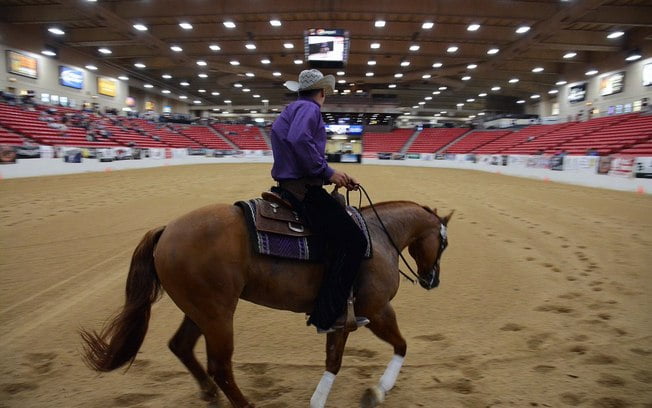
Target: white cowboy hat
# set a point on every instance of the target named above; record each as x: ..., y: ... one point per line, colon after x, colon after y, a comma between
x: 312, y: 79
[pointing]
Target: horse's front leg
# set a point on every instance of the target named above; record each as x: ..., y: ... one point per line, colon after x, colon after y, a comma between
x: 384, y: 326
x: 335, y: 343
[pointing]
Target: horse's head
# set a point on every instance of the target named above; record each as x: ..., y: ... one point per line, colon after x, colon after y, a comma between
x: 428, y: 248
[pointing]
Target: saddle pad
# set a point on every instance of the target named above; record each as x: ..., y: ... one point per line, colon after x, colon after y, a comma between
x: 307, y: 248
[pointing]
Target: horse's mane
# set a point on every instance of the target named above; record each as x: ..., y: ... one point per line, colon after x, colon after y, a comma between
x: 399, y: 203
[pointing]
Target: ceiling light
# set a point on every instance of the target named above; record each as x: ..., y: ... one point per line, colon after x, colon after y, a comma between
x: 215, y: 93
x: 535, y: 96
x: 405, y: 63
x: 482, y: 95
x: 250, y: 46
x: 495, y: 88
x: 560, y: 83
x: 472, y: 66
x: 265, y: 101
x: 229, y: 24
x: 492, y: 51
x: 514, y: 80
x: 358, y: 91
x: 428, y: 98
x: 437, y: 65
x: 140, y: 65
x: 537, y: 69
x: 214, y: 47
x: 246, y: 90
x: 340, y: 73
x: 184, y: 83
x: 56, y: 31
x: 275, y: 23
x: 288, y: 45
x: 371, y: 62
x: 276, y: 74
x: 470, y: 100
x: 422, y: 103
x: 227, y: 101
x: 391, y: 86
x: 398, y: 75
x: 374, y: 46
x: 459, y: 105
x: 49, y: 53
x: 466, y: 78
x: 202, y: 75
x: 520, y: 101
x: 436, y: 92
x: 522, y: 29
x: 427, y: 25
x: 183, y: 97
x: 201, y: 63
x: 341, y: 81
x: 185, y: 26
x: 250, y: 74
x: 123, y: 78
x: 633, y: 56
x: 473, y: 27
x: 298, y: 61
x: 452, y: 49
x: 426, y: 76
x: 591, y: 72
x: 201, y: 90
x: 481, y: 114
x: 265, y: 61
x: 165, y: 91
x: 166, y: 76
x: 615, y: 34
x: 176, y: 48
x: 140, y: 27
x: 379, y: 23
x: 196, y: 101
x: 369, y: 74
x: 256, y: 96
x: 443, y: 88
x: 443, y: 112
x: 237, y: 85
x: 148, y: 86
x: 553, y: 91
x: 234, y: 62
x: 569, y: 55
x: 414, y: 47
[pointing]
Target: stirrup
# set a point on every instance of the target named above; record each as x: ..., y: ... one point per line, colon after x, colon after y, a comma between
x: 360, y: 321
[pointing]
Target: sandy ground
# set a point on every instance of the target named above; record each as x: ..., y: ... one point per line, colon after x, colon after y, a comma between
x: 545, y: 296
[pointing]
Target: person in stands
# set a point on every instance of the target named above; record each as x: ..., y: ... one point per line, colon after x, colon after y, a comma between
x: 298, y: 141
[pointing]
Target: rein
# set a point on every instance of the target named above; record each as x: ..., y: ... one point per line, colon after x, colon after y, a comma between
x: 371, y: 204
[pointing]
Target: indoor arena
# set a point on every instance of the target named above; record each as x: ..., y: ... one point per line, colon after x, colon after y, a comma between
x: 473, y: 109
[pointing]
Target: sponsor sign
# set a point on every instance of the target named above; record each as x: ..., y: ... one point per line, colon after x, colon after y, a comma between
x: 21, y: 64
x: 349, y: 158
x: 647, y: 74
x: 71, y: 77
x: 557, y: 163
x: 7, y: 155
x: 577, y: 93
x: 28, y: 152
x: 106, y: 86
x: 612, y: 84
x: 622, y: 166
x: 643, y: 167
x: 586, y: 164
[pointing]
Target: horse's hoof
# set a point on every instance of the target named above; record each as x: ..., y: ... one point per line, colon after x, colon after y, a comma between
x: 372, y: 397
x: 209, y: 395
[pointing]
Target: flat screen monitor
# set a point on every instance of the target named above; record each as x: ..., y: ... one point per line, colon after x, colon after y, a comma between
x: 71, y: 77
x: 647, y: 74
x: 577, y: 93
x: 326, y: 48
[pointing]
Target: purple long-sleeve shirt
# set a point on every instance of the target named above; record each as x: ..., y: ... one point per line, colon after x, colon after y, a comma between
x: 299, y: 142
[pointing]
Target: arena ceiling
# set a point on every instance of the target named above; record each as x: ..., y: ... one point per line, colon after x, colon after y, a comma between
x: 553, y: 30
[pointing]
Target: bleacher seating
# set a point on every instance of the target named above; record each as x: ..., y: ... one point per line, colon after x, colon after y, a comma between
x: 10, y: 138
x: 165, y: 134
x: 476, y: 139
x: 432, y: 139
x: 643, y: 148
x: 391, y: 142
x: 204, y: 136
x: 515, y: 138
x: 244, y: 136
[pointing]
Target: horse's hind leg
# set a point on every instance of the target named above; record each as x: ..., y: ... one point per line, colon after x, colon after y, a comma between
x: 219, y: 346
x: 182, y: 345
x: 335, y: 343
x: 383, y: 324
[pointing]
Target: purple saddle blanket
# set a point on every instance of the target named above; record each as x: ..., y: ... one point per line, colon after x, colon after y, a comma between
x: 308, y: 248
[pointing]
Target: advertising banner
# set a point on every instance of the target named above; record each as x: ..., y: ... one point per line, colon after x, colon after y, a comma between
x: 106, y: 86
x: 622, y: 166
x: 21, y: 64
x: 643, y: 167
x: 577, y: 93
x: 586, y: 164
x: 612, y: 84
x: 7, y: 155
x: 71, y: 77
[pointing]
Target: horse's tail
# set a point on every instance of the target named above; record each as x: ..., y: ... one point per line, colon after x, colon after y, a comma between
x: 120, y: 339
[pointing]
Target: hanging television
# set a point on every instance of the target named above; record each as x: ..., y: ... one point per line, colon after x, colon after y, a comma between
x: 577, y: 93
x: 326, y: 48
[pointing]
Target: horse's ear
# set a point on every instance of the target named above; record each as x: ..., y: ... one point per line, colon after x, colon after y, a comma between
x: 447, y: 218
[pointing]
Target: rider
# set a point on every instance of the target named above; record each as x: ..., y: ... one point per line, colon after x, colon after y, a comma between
x: 298, y: 141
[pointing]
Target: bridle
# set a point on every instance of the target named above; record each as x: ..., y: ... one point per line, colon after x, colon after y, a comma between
x: 443, y: 243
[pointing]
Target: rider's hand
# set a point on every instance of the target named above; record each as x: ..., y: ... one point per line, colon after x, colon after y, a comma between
x: 340, y: 179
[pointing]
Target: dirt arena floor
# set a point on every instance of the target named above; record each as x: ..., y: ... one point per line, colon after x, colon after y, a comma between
x: 544, y: 302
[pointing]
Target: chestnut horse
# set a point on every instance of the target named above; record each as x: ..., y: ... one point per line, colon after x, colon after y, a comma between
x: 205, y: 262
